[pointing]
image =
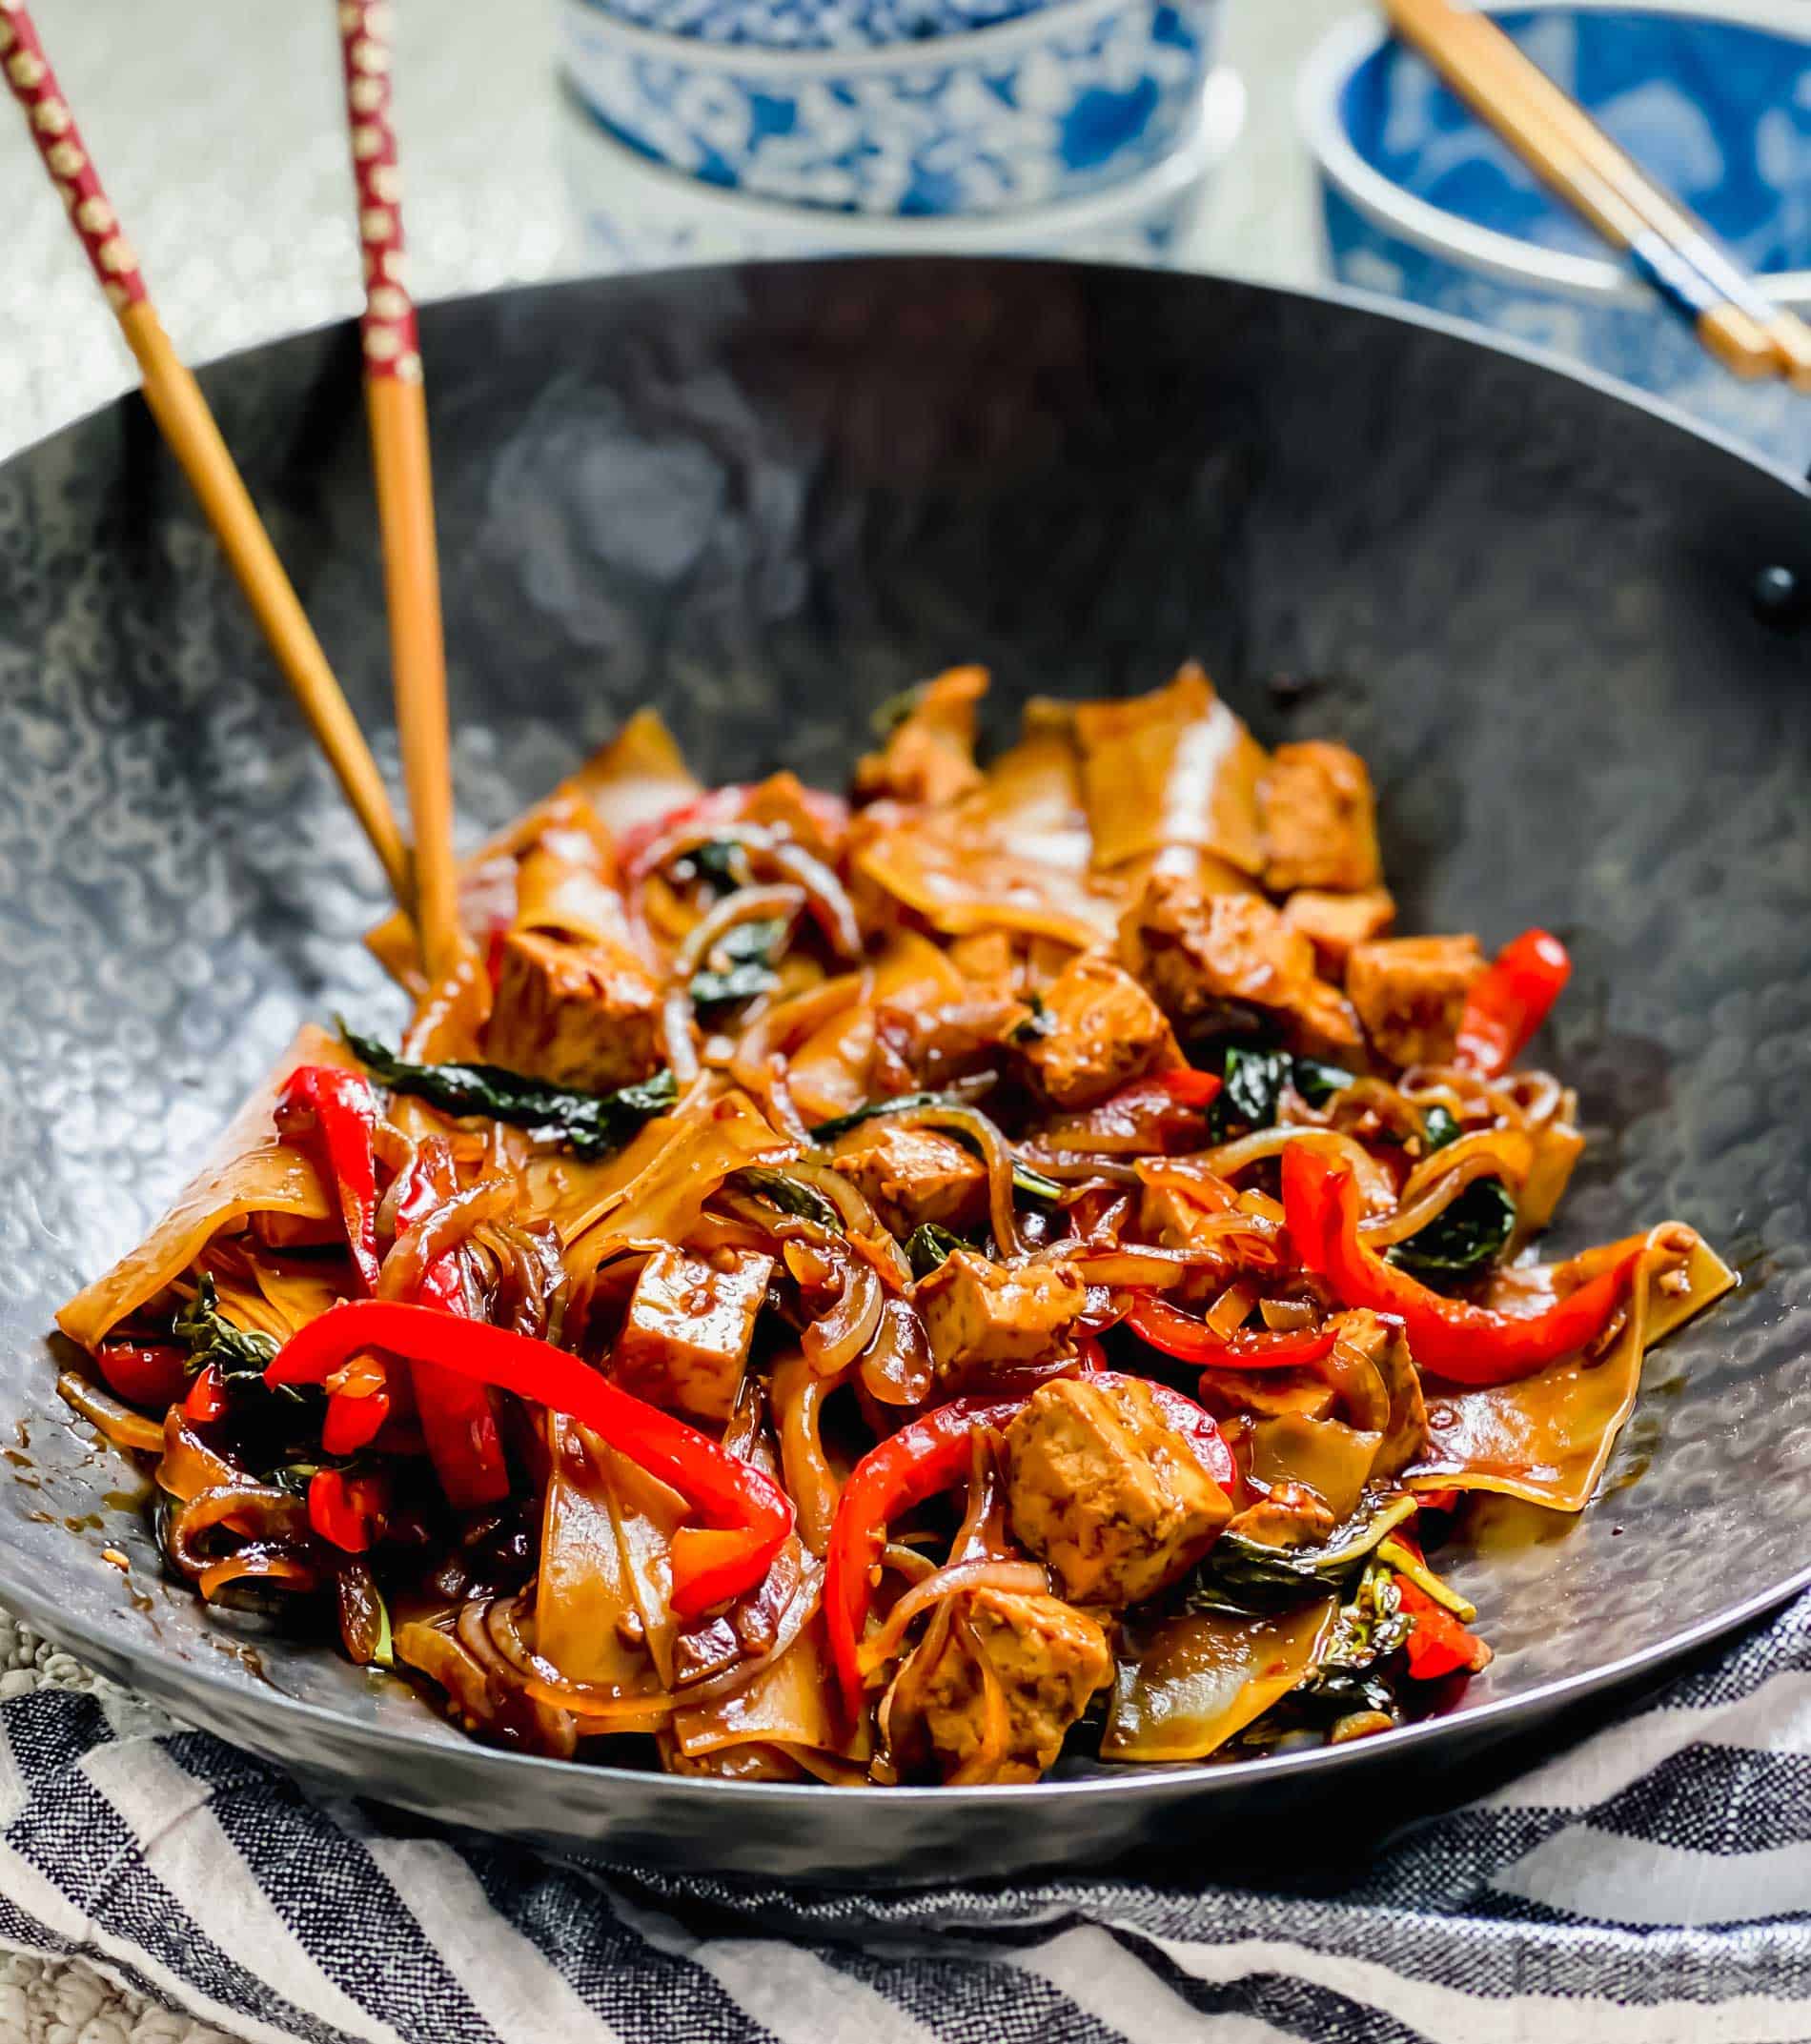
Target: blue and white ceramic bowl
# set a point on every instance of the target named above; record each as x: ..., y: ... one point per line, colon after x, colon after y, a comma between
x: 1421, y: 201
x: 640, y: 216
x: 820, y: 24
x: 1073, y: 99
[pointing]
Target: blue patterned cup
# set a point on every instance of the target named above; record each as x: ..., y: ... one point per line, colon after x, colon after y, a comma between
x: 1069, y: 100
x: 1421, y: 201
x: 820, y: 24
x: 639, y: 216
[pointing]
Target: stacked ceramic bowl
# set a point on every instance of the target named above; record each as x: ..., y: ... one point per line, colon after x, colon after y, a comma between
x: 733, y: 127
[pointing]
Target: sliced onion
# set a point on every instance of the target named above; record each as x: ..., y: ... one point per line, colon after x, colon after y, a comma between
x: 117, y: 1420
x: 259, y: 1562
x: 268, y: 1514
x: 787, y: 1024
x: 831, y: 909
x: 798, y: 1393
x: 1020, y: 1579
x: 897, y: 1367
x: 445, y: 1228
x: 1414, y: 1215
x: 1071, y: 1168
x: 747, y: 904
x: 832, y: 1342
x: 1374, y: 1177
x: 793, y: 1620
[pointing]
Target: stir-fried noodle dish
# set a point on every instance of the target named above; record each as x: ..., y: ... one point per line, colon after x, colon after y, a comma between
x: 1024, y: 1261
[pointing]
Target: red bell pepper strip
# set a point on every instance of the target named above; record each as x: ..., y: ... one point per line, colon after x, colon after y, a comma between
x: 357, y: 1404
x: 458, y: 1421
x: 924, y: 1457
x: 930, y: 1455
x: 144, y: 1373
x: 1509, y: 1000
x: 1438, y: 1645
x: 1191, y: 1088
x: 1448, y: 1338
x: 733, y: 1497
x: 347, y: 1512
x: 1172, y: 1333
x: 207, y: 1398
x: 337, y: 1109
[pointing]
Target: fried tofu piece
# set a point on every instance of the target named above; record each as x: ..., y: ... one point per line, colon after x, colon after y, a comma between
x: 1320, y: 820
x: 1095, y: 1028
x: 1335, y: 923
x: 1107, y: 1492
x: 931, y: 756
x: 1202, y: 953
x: 686, y: 1339
x: 914, y: 1175
x: 1410, y: 994
x: 977, y: 1312
x: 586, y: 1016
x: 1045, y: 1660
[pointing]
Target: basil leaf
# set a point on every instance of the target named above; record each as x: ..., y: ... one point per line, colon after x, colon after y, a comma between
x: 1439, y: 1127
x: 901, y: 1103
x: 1254, y: 1081
x: 1035, y: 1185
x: 1318, y: 1083
x: 788, y: 1195
x: 747, y: 949
x: 1467, y: 1238
x: 928, y: 1247
x: 589, y: 1125
x: 721, y: 861
x: 237, y: 1357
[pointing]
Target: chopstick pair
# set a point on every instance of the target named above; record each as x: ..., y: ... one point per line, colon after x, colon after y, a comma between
x: 424, y: 883
x: 1674, y: 251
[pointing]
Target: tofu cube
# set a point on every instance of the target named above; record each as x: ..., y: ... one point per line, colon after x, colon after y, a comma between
x: 978, y: 1313
x: 913, y: 1175
x: 685, y: 1341
x: 1320, y: 821
x: 1107, y: 1492
x: 1335, y: 923
x: 1096, y: 1029
x: 1045, y: 1660
x: 586, y: 1016
x: 1200, y: 952
x: 1410, y: 994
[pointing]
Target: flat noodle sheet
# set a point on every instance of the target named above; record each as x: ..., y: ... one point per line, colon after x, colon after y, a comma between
x: 1013, y: 854
x: 1172, y: 768
x: 636, y: 779
x: 586, y: 1594
x: 785, y: 1705
x: 1547, y: 1438
x: 1204, y: 1676
x: 248, y: 1172
x: 827, y: 1074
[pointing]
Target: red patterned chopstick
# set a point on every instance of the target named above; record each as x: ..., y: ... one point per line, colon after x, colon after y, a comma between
x: 398, y: 409
x: 182, y: 413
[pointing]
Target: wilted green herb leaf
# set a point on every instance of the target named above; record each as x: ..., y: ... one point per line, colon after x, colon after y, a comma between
x: 590, y: 1125
x: 788, y: 1195
x: 1254, y: 1079
x: 1438, y: 1128
x: 900, y: 1104
x: 1467, y: 1238
x: 929, y: 1246
x: 747, y: 949
x: 1318, y: 1083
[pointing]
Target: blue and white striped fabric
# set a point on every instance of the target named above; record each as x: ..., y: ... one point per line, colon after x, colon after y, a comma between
x: 1650, y: 1886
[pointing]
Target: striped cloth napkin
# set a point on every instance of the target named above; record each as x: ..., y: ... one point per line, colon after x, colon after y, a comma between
x: 1649, y: 1886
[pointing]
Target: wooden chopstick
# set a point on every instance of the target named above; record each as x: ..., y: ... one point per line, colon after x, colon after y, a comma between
x: 189, y: 426
x: 1518, y: 100
x: 1524, y: 81
x: 396, y: 406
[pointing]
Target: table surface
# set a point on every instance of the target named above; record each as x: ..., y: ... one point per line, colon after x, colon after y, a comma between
x: 217, y: 129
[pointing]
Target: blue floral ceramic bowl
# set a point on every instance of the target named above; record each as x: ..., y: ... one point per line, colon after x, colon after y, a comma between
x: 639, y: 216
x: 1423, y: 202
x: 820, y: 24
x: 1069, y: 100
